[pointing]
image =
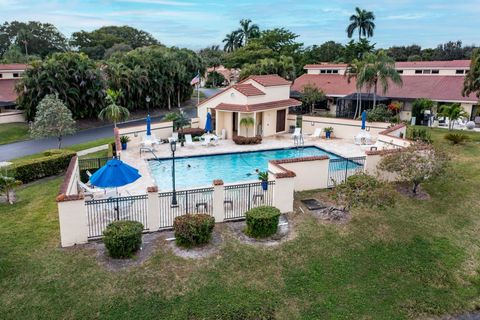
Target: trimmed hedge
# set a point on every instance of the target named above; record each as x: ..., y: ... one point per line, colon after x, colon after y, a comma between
x: 247, y: 140
x: 193, y: 229
x: 262, y: 221
x: 52, y: 162
x: 123, y: 238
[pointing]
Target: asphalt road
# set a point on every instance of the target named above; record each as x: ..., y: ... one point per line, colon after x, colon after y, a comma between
x: 25, y: 148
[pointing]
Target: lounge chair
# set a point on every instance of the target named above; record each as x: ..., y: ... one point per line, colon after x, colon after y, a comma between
x: 189, y: 141
x: 376, y: 146
x: 89, y: 191
x: 317, y: 133
x: 297, y: 133
x: 150, y: 141
x: 206, y: 142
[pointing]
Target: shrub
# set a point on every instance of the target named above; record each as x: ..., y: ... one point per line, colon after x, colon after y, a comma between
x: 193, y: 229
x: 380, y: 113
x: 123, y: 238
x: 419, y: 134
x: 51, y: 163
x: 456, y: 137
x: 262, y: 221
x: 364, y: 190
x: 247, y: 140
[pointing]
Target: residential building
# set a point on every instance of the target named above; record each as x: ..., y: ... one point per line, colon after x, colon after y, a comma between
x: 9, y: 75
x: 265, y: 98
x: 440, y: 81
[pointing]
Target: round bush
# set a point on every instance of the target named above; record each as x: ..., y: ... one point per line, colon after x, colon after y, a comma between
x: 193, y: 229
x: 262, y: 221
x: 123, y: 238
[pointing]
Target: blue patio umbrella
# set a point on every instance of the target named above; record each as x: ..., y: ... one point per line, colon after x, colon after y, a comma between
x: 113, y: 174
x: 208, y: 123
x: 364, y: 119
x: 149, y: 132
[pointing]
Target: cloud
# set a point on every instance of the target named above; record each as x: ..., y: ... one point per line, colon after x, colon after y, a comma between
x: 161, y: 2
x: 406, y: 16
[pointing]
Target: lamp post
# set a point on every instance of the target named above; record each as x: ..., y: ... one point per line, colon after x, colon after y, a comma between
x: 148, y: 99
x: 173, y: 147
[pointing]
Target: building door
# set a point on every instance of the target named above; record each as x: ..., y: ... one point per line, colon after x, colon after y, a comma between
x: 235, y: 123
x: 281, y: 117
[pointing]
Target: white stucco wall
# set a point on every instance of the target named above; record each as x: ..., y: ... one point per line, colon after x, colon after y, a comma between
x: 12, y: 116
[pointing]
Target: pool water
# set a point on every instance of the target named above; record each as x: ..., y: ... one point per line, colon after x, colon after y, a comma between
x: 200, y: 171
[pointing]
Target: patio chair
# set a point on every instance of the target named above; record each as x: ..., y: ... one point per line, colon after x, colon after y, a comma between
x: 189, y: 141
x: 376, y: 146
x: 149, y: 141
x: 297, y: 133
x: 206, y: 142
x: 317, y: 133
x: 92, y: 192
x: 174, y: 137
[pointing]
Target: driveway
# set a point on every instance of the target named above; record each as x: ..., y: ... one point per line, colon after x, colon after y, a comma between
x: 24, y: 148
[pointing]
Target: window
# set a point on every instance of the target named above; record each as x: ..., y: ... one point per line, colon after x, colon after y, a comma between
x: 329, y: 71
x: 15, y: 75
x: 435, y: 71
x: 335, y: 71
x: 418, y: 71
x: 459, y: 71
x: 1, y: 75
x: 427, y: 71
x: 400, y: 71
x: 323, y: 71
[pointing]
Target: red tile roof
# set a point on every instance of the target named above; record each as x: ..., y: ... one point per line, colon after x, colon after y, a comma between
x: 331, y: 84
x: 13, y: 66
x: 268, y: 80
x: 441, y: 88
x: 248, y: 89
x: 434, y: 64
x: 258, y: 106
x: 7, y: 90
x: 325, y: 65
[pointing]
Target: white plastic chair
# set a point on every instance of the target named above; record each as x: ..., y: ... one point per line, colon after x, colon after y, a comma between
x: 174, y: 137
x: 189, y: 141
x: 96, y: 191
x: 206, y: 142
x: 317, y: 133
x: 297, y: 133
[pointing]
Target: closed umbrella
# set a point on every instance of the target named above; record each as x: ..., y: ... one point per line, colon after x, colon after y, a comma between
x: 208, y: 123
x: 364, y: 119
x: 149, y: 132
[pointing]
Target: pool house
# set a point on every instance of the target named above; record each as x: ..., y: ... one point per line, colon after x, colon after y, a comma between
x: 263, y: 98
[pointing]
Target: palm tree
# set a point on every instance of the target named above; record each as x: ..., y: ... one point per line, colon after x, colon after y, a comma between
x: 378, y: 69
x: 247, y: 122
x: 353, y: 70
x: 113, y: 112
x: 248, y: 30
x: 363, y: 21
x: 232, y: 41
x: 453, y: 112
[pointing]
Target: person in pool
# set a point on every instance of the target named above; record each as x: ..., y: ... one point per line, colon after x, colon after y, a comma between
x: 256, y: 172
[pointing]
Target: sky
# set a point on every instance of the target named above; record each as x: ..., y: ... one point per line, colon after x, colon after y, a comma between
x: 197, y: 24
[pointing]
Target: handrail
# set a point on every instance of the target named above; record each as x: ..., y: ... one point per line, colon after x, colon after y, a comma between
x: 149, y: 150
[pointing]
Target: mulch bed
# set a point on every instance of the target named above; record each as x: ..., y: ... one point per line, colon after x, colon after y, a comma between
x: 284, y: 233
x: 204, y: 251
x: 406, y: 190
x: 150, y: 242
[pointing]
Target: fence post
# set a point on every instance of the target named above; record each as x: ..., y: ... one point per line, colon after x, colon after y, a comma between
x: 218, y: 198
x: 153, y: 209
x: 72, y: 217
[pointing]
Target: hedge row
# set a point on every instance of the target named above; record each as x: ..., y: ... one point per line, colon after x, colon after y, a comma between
x: 247, y: 140
x: 51, y: 163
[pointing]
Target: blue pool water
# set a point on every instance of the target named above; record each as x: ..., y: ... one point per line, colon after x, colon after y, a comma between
x: 200, y: 171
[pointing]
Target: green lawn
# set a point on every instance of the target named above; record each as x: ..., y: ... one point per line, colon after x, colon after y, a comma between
x: 13, y: 132
x: 418, y: 259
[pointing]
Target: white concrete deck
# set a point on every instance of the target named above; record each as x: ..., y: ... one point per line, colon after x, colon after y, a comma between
x: 132, y: 155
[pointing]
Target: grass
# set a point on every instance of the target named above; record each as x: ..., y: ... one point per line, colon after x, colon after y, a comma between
x: 77, y: 147
x: 418, y: 259
x: 13, y: 132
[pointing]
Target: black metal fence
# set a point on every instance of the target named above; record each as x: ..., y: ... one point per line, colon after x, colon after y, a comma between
x: 240, y: 198
x: 101, y: 212
x: 340, y: 169
x: 188, y: 201
x: 91, y: 165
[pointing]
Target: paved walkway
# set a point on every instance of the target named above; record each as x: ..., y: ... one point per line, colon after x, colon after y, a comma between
x: 25, y: 148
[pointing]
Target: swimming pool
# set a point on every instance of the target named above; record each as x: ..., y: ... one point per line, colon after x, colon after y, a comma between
x: 200, y: 171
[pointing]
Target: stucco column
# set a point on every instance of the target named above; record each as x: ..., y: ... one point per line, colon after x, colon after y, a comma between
x: 72, y: 217
x: 283, y: 194
x: 153, y: 209
x: 218, y: 198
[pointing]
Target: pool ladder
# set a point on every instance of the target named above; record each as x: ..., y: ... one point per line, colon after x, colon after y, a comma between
x: 298, y: 141
x: 146, y: 149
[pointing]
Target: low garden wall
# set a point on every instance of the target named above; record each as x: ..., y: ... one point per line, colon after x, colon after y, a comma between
x: 12, y: 116
x: 394, y: 137
x: 342, y: 128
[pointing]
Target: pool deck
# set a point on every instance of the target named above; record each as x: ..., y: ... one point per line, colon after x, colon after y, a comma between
x: 133, y: 157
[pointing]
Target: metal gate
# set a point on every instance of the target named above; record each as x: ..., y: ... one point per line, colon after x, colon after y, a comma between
x: 340, y: 169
